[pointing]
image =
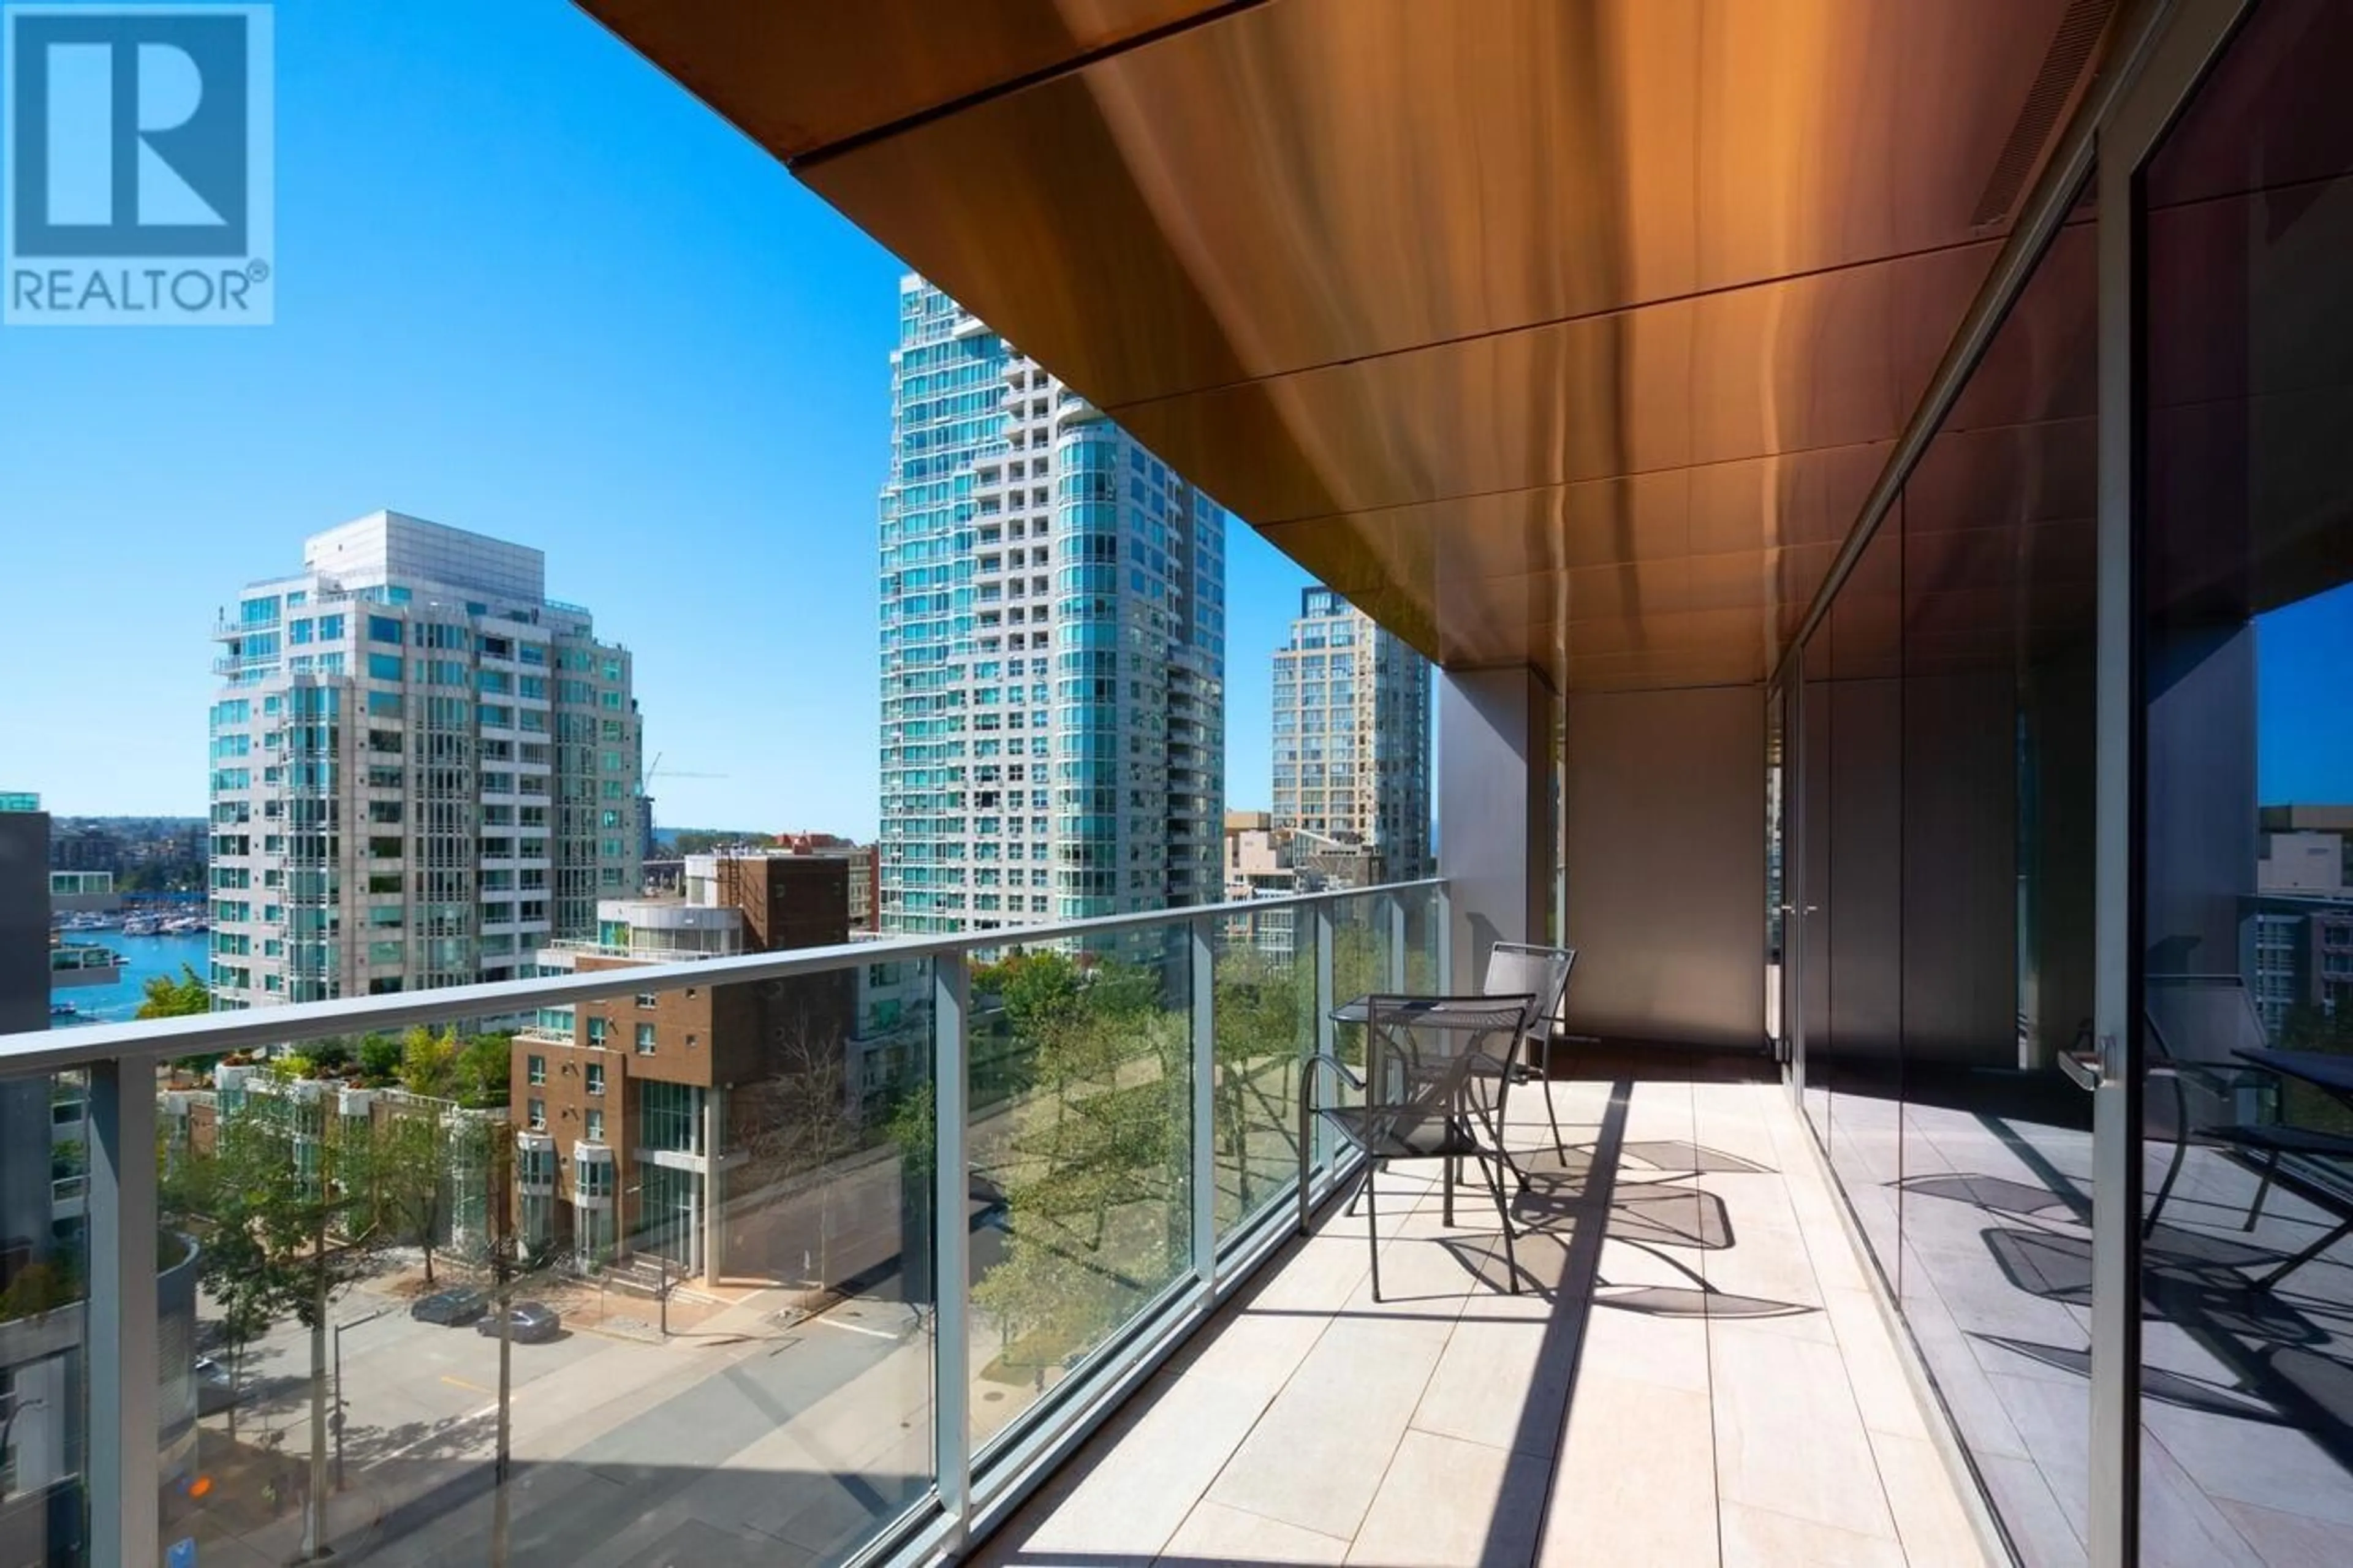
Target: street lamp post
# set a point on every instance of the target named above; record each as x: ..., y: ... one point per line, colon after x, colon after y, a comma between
x: 336, y: 1420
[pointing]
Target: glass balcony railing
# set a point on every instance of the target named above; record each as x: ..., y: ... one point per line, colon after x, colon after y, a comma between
x: 826, y: 1254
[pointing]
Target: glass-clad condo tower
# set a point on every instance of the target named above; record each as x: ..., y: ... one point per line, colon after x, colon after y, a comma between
x: 422, y: 769
x: 1052, y: 648
x: 1351, y: 737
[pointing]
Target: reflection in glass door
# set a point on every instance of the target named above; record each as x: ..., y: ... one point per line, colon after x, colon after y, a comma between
x: 1809, y: 924
x: 2246, y: 627
x: 1776, y: 893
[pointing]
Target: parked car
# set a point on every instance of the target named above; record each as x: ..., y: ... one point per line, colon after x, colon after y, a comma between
x: 529, y: 1323
x: 217, y: 1388
x: 455, y: 1307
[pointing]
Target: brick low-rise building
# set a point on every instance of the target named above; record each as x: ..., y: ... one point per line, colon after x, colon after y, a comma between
x: 640, y: 1118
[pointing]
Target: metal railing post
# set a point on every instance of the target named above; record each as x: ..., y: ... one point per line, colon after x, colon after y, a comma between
x: 1391, y: 914
x: 951, y: 1243
x: 1205, y: 1103
x: 1326, y: 1032
x: 124, y: 1367
x: 1445, y: 896
x: 123, y: 1461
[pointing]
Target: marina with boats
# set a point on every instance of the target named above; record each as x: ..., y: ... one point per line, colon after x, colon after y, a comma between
x: 99, y: 965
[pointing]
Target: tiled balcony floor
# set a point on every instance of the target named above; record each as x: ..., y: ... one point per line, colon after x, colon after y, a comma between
x: 1693, y: 1373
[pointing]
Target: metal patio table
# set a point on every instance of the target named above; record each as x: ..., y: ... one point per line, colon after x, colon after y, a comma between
x: 1419, y: 1099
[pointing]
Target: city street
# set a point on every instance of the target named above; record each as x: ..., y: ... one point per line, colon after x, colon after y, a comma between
x: 752, y: 1426
x: 759, y: 1433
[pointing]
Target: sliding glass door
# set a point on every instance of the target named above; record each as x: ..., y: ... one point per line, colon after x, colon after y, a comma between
x: 2242, y: 265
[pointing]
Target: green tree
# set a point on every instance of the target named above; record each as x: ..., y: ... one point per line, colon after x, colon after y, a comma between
x: 180, y: 998
x: 1264, y: 1026
x: 1039, y: 990
x: 702, y: 841
x: 38, y: 1287
x: 212, y: 1197
x: 408, y: 1177
x: 379, y: 1058
x: 2310, y: 1027
x: 912, y: 1124
x: 484, y: 1070
x: 1094, y: 1173
x: 428, y: 1062
x: 283, y: 1208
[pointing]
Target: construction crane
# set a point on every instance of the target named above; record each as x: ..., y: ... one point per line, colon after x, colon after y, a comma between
x: 646, y: 779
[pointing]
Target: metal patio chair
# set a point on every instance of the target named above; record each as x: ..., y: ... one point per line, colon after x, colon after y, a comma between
x: 1518, y: 968
x: 2195, y: 1026
x: 1437, y: 1073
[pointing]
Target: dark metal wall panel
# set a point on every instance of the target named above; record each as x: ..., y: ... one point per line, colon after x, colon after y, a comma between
x: 1665, y: 808
x: 1958, y: 852
x: 1866, y: 817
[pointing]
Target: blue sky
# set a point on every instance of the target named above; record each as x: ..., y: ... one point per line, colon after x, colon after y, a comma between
x: 2305, y: 746
x: 526, y: 286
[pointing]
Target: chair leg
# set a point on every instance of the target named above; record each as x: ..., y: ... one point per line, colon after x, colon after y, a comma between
x: 2263, y: 1190
x: 1372, y: 1227
x: 1559, y: 1143
x: 2306, y: 1255
x: 1495, y: 1134
x: 1504, y: 1213
x: 2164, y: 1189
x: 1364, y: 1185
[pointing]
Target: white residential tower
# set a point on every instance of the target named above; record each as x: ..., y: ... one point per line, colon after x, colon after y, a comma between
x: 423, y: 768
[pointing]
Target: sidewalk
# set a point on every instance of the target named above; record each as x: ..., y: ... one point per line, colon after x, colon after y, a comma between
x: 244, y: 1505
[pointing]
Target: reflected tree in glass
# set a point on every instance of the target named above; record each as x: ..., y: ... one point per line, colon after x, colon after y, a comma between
x: 286, y: 1207
x: 1091, y: 1159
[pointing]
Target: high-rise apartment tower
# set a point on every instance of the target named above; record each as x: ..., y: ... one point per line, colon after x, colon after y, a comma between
x: 1052, y: 647
x: 423, y: 768
x: 1351, y: 738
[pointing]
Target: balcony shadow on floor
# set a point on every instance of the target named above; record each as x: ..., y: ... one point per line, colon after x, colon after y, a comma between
x: 2272, y: 1342
x: 1610, y: 1222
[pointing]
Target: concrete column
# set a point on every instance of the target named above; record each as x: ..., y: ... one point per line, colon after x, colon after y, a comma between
x: 1495, y: 809
x: 2201, y: 840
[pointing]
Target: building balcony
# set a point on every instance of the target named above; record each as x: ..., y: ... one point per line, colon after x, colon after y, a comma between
x: 1694, y: 1358
x: 1692, y: 1371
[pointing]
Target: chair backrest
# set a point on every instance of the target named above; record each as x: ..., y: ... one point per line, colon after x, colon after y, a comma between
x: 1417, y: 1069
x: 2202, y: 1018
x: 1518, y: 968
x: 2198, y: 1021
